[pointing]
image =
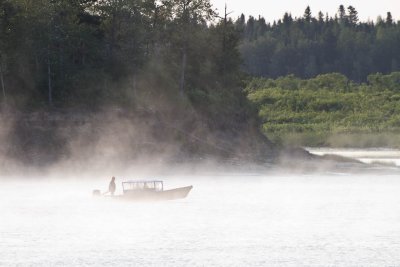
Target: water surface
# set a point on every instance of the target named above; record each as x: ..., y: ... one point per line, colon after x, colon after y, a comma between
x: 229, y: 219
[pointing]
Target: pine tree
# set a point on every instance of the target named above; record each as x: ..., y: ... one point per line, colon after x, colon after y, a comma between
x: 188, y: 14
x: 353, y: 15
x: 342, y: 14
x: 287, y: 19
x: 389, y: 19
x: 307, y: 14
x: 320, y: 17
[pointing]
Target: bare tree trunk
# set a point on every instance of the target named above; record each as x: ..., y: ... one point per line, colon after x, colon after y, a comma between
x: 112, y: 41
x: 49, y: 78
x: 183, y: 70
x: 2, y: 81
x: 37, y: 64
x: 184, y: 50
x: 134, y: 85
x: 61, y: 59
x: 224, y: 45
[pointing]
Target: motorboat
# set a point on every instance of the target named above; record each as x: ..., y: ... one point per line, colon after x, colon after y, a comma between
x: 147, y: 190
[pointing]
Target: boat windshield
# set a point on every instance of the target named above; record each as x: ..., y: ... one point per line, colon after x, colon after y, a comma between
x: 142, y: 185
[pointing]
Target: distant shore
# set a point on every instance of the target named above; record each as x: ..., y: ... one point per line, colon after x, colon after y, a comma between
x: 340, y: 140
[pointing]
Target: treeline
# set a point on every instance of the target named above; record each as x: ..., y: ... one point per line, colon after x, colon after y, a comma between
x: 317, y: 43
x: 326, y: 105
x: 151, y: 77
x: 99, y: 52
x: 92, y: 53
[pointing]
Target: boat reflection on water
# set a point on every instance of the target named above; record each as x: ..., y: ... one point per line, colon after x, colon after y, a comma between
x: 148, y: 191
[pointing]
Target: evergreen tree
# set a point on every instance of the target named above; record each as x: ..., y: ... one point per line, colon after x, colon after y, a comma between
x: 287, y: 19
x: 342, y: 14
x: 353, y: 15
x: 61, y: 52
x: 189, y: 13
x: 320, y: 17
x: 250, y: 28
x: 307, y: 14
x: 389, y: 19
x: 323, y: 45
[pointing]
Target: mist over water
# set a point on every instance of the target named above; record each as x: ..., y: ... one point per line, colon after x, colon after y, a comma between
x: 388, y: 156
x: 228, y: 219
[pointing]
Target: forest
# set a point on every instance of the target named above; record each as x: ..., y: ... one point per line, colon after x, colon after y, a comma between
x: 183, y: 75
x: 91, y: 53
x: 324, y: 80
x: 318, y: 43
x: 124, y: 79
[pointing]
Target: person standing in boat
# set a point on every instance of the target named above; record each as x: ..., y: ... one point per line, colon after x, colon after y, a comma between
x: 112, y: 186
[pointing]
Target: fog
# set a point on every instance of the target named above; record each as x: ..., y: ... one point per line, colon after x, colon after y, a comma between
x: 239, y: 213
x: 230, y: 218
x: 115, y: 142
x: 383, y: 156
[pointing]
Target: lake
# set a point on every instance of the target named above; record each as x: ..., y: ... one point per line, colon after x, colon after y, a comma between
x: 373, y: 155
x: 230, y: 218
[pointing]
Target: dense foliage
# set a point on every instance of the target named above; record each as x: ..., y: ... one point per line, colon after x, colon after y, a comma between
x: 92, y: 53
x: 326, y: 105
x: 181, y: 60
x: 317, y: 44
x: 159, y: 78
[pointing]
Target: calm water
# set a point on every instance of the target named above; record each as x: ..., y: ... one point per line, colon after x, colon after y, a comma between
x: 227, y: 220
x: 374, y: 155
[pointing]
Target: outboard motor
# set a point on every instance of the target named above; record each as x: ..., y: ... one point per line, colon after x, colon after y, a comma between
x: 96, y: 193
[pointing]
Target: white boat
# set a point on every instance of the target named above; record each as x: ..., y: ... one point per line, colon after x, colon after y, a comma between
x: 148, y: 190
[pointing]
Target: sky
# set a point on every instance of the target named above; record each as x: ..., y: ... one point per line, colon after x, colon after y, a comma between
x: 274, y: 10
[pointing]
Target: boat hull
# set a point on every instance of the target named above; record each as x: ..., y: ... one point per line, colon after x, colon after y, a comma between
x: 143, y: 195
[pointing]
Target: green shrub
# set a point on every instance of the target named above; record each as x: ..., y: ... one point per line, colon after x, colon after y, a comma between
x: 292, y: 110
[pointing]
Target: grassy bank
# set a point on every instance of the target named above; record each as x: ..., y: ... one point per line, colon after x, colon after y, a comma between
x: 329, y: 110
x: 353, y: 140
